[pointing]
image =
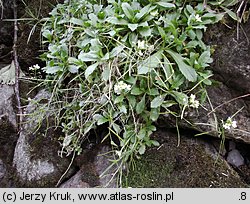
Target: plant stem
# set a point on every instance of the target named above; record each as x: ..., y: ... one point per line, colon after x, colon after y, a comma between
x: 17, y: 67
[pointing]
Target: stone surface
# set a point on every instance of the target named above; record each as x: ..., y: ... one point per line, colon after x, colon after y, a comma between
x: 193, y: 164
x: 7, y: 104
x: 231, y: 56
x: 208, y: 118
x: 235, y: 158
x: 2, y: 170
x: 36, y: 159
x: 94, y: 170
x: 75, y: 182
x: 102, y: 163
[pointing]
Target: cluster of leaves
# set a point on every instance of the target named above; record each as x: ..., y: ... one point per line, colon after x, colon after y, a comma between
x: 153, y: 48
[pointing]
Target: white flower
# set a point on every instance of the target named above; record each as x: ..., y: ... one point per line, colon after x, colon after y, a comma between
x: 192, y: 102
x: 121, y: 86
x: 195, y: 104
x: 141, y: 44
x: 198, y: 18
x: 229, y: 123
x: 34, y: 67
x: 226, y: 126
x: 234, y: 124
x: 192, y: 98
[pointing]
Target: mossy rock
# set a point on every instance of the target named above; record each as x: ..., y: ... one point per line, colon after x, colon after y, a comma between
x: 188, y: 165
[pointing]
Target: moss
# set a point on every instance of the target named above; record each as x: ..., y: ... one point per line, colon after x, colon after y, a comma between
x: 188, y: 165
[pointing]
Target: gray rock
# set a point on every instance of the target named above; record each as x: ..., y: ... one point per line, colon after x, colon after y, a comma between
x: 75, y: 182
x: 102, y: 162
x: 7, y: 104
x: 36, y: 159
x: 209, y: 120
x: 94, y: 171
x: 231, y: 57
x: 231, y: 146
x: 235, y: 158
x: 2, y: 169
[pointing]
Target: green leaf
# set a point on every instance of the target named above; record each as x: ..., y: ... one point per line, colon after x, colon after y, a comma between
x: 76, y: 21
x: 142, y: 133
x: 154, y: 114
x: 88, y: 57
x: 52, y: 69
x: 116, y: 21
x: 162, y: 32
x: 90, y: 69
x: 131, y: 100
x: 142, y: 149
x: 88, y: 126
x: 123, y: 109
x: 133, y: 38
x: 205, y: 59
x: 153, y: 92
x: 136, y: 91
x: 168, y: 104
x: 118, y: 99
x: 165, y: 4
x: 231, y: 13
x: 180, y: 97
x: 106, y: 73
x: 144, y: 11
x: 157, y: 101
x: 189, y: 72
x: 132, y: 27
x: 148, y: 64
x: 116, y: 51
x: 155, y: 143
x: 128, y: 10
x: 73, y: 68
x: 145, y: 31
x: 97, y: 116
x: 140, y: 106
x: 116, y: 128
x: 102, y: 120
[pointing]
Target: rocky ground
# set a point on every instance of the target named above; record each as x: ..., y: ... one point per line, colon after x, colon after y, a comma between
x: 30, y: 158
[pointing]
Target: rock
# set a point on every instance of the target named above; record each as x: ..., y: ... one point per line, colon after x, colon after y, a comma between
x: 2, y: 170
x: 75, y: 182
x: 231, y: 57
x: 93, y: 171
x: 36, y: 160
x: 102, y: 162
x: 235, y: 158
x: 231, y: 146
x: 8, y: 128
x: 194, y: 163
x: 209, y: 119
x: 7, y: 104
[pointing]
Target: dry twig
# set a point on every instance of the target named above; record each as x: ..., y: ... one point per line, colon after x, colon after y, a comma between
x: 17, y: 67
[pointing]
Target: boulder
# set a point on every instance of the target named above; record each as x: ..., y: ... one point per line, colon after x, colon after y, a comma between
x: 36, y: 160
x: 8, y: 132
x: 6, y: 28
x: 194, y: 163
x: 235, y: 158
x: 7, y: 104
x: 2, y: 170
x: 208, y: 118
x: 94, y: 170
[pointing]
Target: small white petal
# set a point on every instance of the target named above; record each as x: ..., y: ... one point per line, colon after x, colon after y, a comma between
x: 234, y: 124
